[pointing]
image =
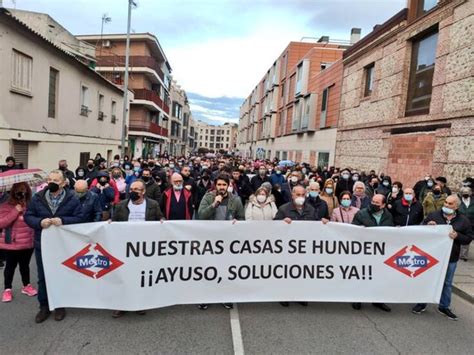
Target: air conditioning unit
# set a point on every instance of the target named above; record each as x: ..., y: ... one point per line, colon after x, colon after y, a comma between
x: 106, y: 44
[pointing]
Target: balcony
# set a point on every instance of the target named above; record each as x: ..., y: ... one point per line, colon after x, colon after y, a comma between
x: 149, y: 95
x: 134, y: 61
x: 149, y: 127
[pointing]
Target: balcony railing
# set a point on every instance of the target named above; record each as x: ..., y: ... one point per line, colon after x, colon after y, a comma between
x: 149, y: 127
x: 149, y: 95
x: 134, y: 61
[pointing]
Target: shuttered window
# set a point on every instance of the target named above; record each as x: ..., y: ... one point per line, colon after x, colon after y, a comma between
x: 53, y: 92
x: 22, y: 72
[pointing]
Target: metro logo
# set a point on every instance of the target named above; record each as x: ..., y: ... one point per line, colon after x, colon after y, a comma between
x: 411, y: 261
x: 93, y: 261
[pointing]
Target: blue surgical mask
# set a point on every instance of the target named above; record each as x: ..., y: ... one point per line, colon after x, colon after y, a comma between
x: 313, y: 194
x: 409, y: 198
x: 346, y: 203
x: 430, y: 183
x: 136, y: 169
x: 448, y: 211
x: 278, y: 172
x: 178, y: 187
x: 329, y: 191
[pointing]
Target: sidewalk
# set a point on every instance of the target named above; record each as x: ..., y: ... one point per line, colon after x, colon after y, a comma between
x: 464, y: 280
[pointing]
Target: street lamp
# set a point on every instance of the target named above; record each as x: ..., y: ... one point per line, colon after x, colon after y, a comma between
x: 105, y: 19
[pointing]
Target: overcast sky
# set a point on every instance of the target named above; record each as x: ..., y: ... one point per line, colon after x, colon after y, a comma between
x: 221, y: 48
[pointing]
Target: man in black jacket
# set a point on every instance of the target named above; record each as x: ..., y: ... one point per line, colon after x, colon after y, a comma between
x: 320, y: 206
x: 461, y: 235
x: 376, y: 215
x: 407, y: 211
x: 243, y: 188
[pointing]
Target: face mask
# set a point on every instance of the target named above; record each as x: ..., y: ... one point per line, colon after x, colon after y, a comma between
x: 146, y: 178
x: 436, y: 192
x: 128, y: 172
x: 137, y: 168
x: 117, y: 176
x: 395, y: 191
x: 429, y: 184
x: 20, y: 195
x: 172, y: 166
x: 188, y: 187
x: 409, y: 198
x: 465, y: 196
x: 116, y: 165
x: 299, y: 201
x: 385, y: 183
x: 374, y: 208
x: 90, y: 166
x: 205, y: 177
x: 53, y: 187
x: 151, y: 165
x: 134, y: 196
x: 304, y: 170
x: 80, y: 173
x: 346, y: 203
x: 62, y: 168
x: 345, y: 176
x: 205, y: 166
x: 278, y: 172
x: 329, y: 191
x: 447, y: 211
x: 80, y: 195
x: 103, y: 182
x: 294, y: 179
x: 261, y: 198
x: 375, y: 185
x: 355, y: 178
x: 313, y: 194
x: 178, y: 187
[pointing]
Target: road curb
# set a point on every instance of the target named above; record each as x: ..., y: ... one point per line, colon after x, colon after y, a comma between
x: 464, y: 295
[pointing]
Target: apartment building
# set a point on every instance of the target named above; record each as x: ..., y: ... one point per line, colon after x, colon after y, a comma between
x: 52, y: 104
x: 293, y: 111
x: 180, y: 127
x: 149, y: 79
x: 407, y: 107
x: 216, y: 139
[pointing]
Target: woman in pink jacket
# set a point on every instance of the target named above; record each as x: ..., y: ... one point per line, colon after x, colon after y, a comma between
x: 16, y: 240
x: 345, y: 212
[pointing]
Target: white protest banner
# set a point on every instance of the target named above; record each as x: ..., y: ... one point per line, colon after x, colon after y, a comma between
x: 143, y: 265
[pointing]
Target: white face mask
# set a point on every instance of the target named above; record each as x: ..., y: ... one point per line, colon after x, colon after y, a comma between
x: 395, y: 191
x: 294, y: 179
x: 299, y: 201
x: 230, y: 189
x: 261, y: 198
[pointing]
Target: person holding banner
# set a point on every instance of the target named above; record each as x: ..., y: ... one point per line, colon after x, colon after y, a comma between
x: 56, y: 206
x: 220, y: 205
x: 461, y: 235
x: 261, y: 206
x: 376, y: 215
x: 345, y: 213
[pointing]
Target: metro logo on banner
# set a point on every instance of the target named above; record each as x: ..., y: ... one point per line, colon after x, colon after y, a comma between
x: 93, y: 261
x: 412, y: 261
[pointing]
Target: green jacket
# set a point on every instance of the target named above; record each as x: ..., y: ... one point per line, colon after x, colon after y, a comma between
x: 365, y: 218
x: 431, y: 204
x: 234, y: 207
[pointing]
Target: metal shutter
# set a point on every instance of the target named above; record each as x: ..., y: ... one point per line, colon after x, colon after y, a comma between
x: 20, y: 152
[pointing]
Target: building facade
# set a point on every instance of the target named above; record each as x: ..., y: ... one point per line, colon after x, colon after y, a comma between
x: 407, y: 105
x: 216, y: 139
x: 52, y: 105
x: 293, y: 112
x: 149, y: 79
x: 179, y: 124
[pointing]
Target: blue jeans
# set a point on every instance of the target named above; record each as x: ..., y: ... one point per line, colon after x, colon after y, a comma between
x: 445, y: 300
x: 42, y: 293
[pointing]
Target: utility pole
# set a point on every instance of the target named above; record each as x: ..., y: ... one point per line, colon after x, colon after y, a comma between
x: 125, y: 95
x: 105, y: 19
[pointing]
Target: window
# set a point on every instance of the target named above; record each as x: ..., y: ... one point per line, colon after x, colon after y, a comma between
x: 424, y: 6
x: 213, y: 131
x: 323, y: 159
x: 324, y: 108
x: 83, y: 158
x: 211, y: 145
x: 297, y: 116
x: 299, y: 75
x: 113, y: 112
x: 101, y: 107
x: 282, y: 122
x: 421, y: 75
x: 227, y: 139
x: 306, y: 112
x: 369, y: 79
x: 53, y: 92
x: 284, y: 155
x: 84, y: 100
x: 22, y: 73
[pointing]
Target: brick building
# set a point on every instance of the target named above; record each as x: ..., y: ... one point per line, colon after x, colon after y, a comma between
x: 293, y: 111
x: 149, y: 79
x: 407, y: 95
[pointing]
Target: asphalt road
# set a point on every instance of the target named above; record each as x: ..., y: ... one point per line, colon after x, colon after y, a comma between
x: 320, y: 328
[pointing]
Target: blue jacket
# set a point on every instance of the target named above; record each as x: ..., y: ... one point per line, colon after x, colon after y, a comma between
x: 106, y: 197
x: 91, y: 209
x: 69, y: 211
x: 277, y: 179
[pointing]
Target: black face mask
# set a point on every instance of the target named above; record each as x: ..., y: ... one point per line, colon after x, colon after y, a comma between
x: 20, y: 195
x: 375, y: 185
x: 90, y: 166
x: 465, y: 196
x: 151, y: 165
x: 134, y: 196
x: 146, y: 178
x: 53, y: 187
x: 437, y: 192
x: 103, y: 182
x: 374, y: 208
x: 205, y: 177
x: 62, y: 168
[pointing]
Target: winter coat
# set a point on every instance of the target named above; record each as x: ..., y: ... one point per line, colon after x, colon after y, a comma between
x: 153, y: 190
x: 364, y: 201
x: 432, y: 204
x: 15, y: 233
x: 234, y: 207
x: 468, y: 211
x: 331, y: 201
x: 365, y: 218
x: 277, y: 179
x: 201, y: 191
x: 288, y: 210
x: 460, y: 224
x: 405, y: 214
x: 69, y: 211
x: 113, y: 185
x: 320, y: 206
x: 257, y: 212
x: 91, y: 208
x: 343, y: 185
x: 342, y: 215
x: 165, y: 202
x: 152, y: 212
x: 257, y: 181
x: 106, y: 197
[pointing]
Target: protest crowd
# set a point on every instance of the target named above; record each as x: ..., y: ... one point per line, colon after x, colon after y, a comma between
x: 221, y: 188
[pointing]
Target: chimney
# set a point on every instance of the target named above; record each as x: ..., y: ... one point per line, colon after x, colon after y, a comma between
x: 323, y: 39
x: 355, y: 35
